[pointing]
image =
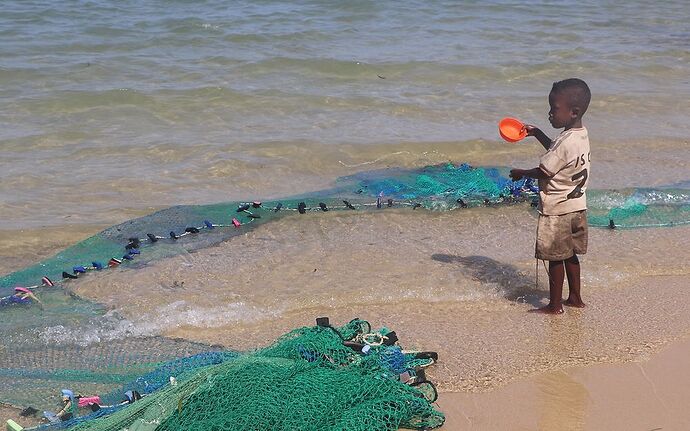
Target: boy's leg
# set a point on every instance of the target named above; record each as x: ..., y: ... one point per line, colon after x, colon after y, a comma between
x: 556, y: 275
x: 572, y: 270
x: 558, y: 237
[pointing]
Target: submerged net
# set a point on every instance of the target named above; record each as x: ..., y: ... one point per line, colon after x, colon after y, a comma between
x: 309, y: 379
x: 638, y: 208
x: 443, y: 187
x: 34, y: 374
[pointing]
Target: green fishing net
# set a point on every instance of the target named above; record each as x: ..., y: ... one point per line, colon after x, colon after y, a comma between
x: 309, y: 379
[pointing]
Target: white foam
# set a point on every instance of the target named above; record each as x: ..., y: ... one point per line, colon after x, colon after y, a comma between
x: 181, y: 313
x: 112, y: 326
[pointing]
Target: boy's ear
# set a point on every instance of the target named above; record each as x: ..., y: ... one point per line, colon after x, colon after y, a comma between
x: 575, y: 112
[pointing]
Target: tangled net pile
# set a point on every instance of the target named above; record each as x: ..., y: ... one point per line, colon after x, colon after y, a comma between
x: 314, y: 378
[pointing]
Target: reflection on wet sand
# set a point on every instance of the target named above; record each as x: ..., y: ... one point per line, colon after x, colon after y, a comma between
x: 562, y: 400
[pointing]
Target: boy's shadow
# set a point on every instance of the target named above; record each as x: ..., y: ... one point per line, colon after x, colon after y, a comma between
x: 517, y: 286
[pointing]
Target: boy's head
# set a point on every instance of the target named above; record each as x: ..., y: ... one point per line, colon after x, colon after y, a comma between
x: 568, y: 100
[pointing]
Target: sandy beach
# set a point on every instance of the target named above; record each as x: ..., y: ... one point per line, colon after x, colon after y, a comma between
x: 648, y: 394
x: 500, y: 367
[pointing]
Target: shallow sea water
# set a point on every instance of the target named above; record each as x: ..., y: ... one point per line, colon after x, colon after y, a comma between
x: 110, y: 112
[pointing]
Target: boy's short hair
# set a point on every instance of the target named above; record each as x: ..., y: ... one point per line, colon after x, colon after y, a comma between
x: 576, y: 91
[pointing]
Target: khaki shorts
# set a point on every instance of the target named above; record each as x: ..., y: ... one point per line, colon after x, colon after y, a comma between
x: 562, y: 236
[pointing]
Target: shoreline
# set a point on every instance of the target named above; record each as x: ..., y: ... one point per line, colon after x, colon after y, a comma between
x: 438, y: 295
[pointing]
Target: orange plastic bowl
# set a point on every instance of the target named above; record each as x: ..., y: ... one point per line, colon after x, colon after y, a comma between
x: 512, y: 130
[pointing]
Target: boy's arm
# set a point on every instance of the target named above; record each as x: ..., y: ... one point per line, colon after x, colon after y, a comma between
x: 535, y: 173
x: 544, y: 140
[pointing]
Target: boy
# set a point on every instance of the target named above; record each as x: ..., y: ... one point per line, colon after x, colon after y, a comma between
x: 563, y: 174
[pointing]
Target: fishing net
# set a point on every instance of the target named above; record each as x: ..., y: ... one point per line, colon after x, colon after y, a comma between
x: 444, y: 187
x: 309, y: 379
x: 35, y: 363
x: 638, y: 208
x: 33, y: 375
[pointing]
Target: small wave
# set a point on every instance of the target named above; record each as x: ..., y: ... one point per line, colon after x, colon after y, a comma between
x: 182, y: 313
x: 113, y: 326
x: 110, y: 326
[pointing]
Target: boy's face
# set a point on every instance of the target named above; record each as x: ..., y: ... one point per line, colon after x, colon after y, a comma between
x: 560, y: 114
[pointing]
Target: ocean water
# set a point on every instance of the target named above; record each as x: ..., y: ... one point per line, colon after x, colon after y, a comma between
x: 112, y: 110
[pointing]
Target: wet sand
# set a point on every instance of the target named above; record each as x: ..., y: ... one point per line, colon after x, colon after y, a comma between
x: 461, y: 282
x: 8, y: 411
x: 644, y: 395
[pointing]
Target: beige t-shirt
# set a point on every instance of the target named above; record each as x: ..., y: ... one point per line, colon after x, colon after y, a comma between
x: 567, y: 162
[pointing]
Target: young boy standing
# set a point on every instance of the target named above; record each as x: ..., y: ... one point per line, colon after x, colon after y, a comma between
x: 563, y: 174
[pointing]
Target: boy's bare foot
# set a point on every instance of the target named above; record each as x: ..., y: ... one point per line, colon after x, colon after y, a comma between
x: 574, y: 303
x: 548, y: 309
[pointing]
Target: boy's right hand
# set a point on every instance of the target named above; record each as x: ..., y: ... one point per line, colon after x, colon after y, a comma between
x: 531, y: 130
